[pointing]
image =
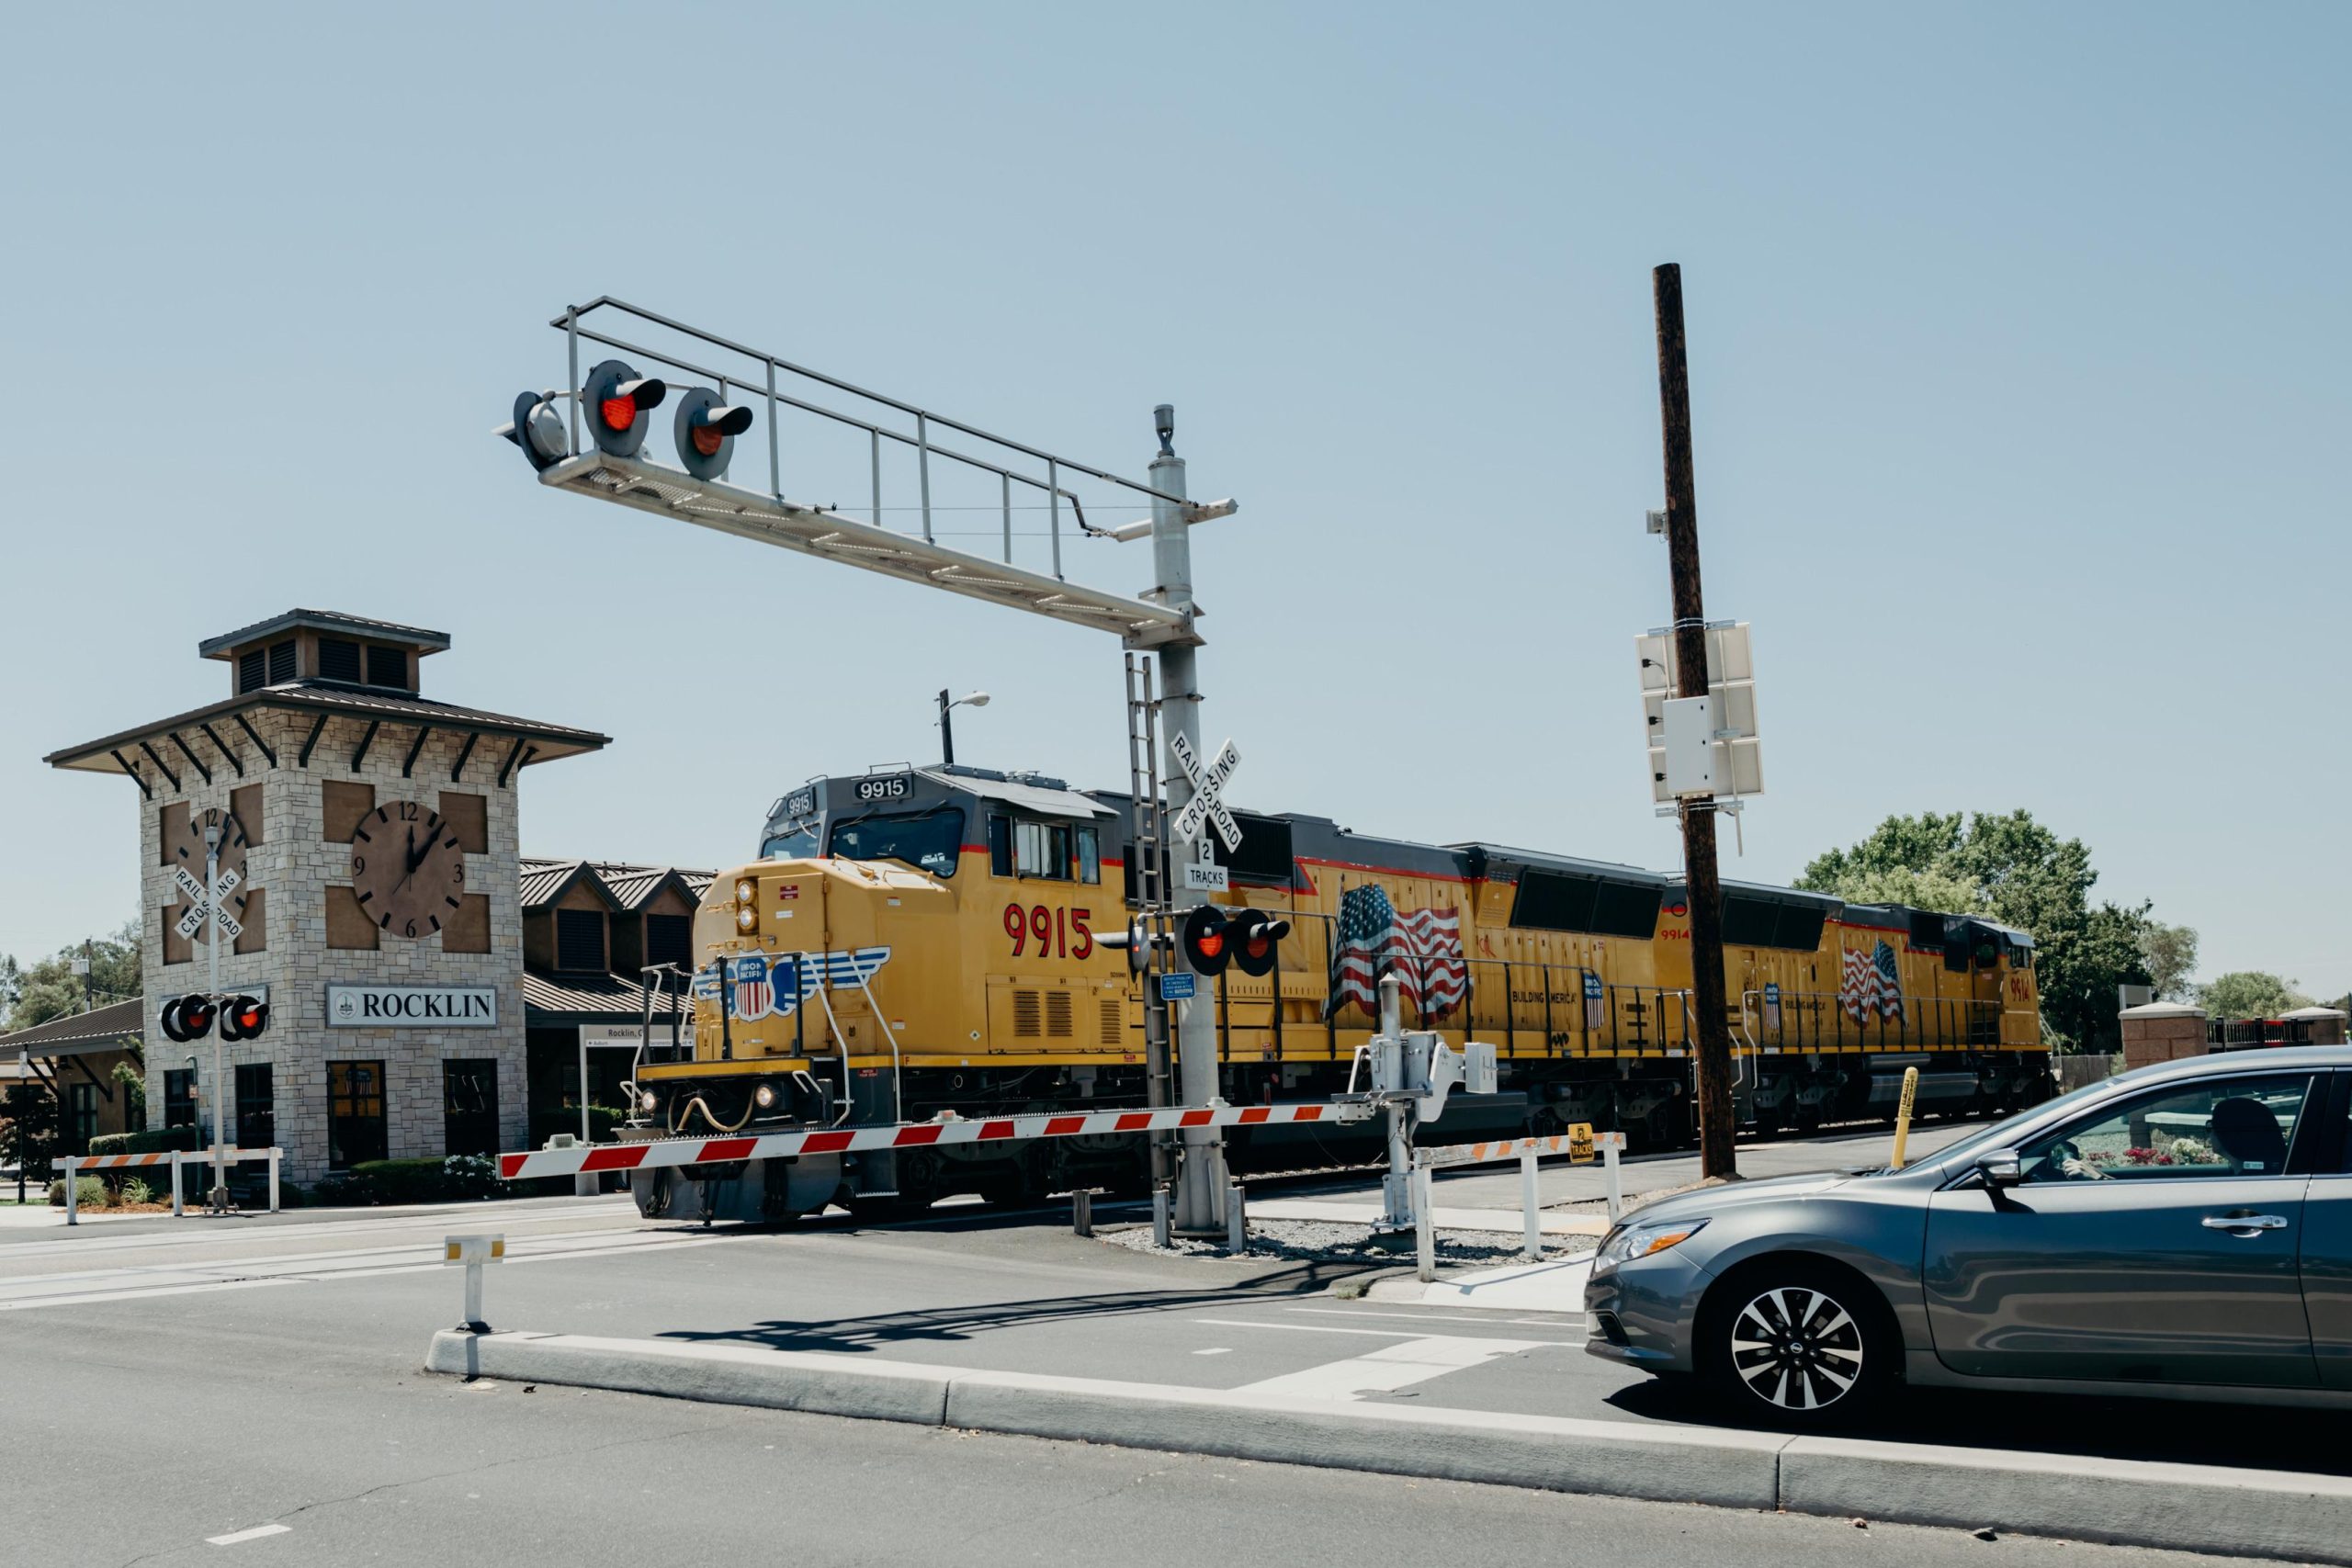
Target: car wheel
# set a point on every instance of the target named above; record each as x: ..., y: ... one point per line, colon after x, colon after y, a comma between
x: 1799, y: 1346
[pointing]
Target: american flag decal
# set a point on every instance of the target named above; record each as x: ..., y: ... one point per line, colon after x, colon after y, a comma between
x: 1422, y: 948
x: 1872, y: 983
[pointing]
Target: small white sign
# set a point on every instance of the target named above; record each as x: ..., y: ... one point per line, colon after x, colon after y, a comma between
x: 1206, y: 879
x: 599, y: 1035
x: 412, y: 1007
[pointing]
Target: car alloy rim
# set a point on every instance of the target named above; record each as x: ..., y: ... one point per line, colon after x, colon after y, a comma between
x: 1796, y: 1348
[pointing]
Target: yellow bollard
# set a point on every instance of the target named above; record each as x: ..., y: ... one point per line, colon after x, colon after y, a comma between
x: 1903, y: 1115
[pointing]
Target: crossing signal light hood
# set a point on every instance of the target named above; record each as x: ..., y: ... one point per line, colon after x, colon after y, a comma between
x: 707, y: 429
x: 618, y: 402
x: 1205, y: 948
x: 188, y: 1018
x: 1252, y: 935
x: 245, y: 1017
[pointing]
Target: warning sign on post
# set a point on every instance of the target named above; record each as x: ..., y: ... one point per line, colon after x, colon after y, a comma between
x: 1579, y: 1142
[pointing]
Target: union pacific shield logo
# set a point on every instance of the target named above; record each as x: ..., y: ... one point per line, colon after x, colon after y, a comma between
x: 754, y: 997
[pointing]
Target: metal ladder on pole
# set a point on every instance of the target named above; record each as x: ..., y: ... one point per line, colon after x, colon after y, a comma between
x: 1147, y: 868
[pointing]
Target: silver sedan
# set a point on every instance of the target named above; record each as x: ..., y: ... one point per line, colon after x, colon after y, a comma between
x: 2184, y: 1231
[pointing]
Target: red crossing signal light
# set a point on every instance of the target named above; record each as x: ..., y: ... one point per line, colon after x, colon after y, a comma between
x: 618, y: 400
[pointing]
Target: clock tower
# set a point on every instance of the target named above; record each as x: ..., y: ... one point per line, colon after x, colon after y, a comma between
x: 375, y: 830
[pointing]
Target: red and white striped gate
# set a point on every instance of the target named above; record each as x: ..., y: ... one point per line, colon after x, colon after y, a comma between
x: 950, y: 1129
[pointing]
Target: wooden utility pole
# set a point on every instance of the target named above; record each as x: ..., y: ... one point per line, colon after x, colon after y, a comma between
x: 1717, y: 1153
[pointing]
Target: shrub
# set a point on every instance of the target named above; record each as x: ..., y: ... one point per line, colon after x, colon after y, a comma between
x: 89, y: 1192
x: 156, y: 1140
x: 134, y: 1191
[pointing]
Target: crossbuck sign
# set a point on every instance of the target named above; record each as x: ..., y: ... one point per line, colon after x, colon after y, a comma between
x: 205, y: 905
x: 1206, y: 806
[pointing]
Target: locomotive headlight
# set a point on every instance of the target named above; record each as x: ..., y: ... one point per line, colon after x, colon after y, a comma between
x: 764, y: 1096
x: 647, y: 1102
x: 746, y: 890
x: 747, y: 919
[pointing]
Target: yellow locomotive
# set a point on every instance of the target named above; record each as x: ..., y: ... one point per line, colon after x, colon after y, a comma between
x: 928, y: 939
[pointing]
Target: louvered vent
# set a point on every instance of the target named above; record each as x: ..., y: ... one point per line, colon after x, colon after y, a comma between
x: 251, y: 676
x: 1026, y: 1022
x: 338, y: 659
x: 281, y: 661
x: 1058, y: 1016
x: 1113, y: 1021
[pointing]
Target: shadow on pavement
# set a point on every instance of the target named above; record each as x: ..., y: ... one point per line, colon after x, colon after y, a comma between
x: 2176, y: 1430
x: 882, y: 1331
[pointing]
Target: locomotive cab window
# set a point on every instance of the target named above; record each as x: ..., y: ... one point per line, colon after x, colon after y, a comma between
x: 928, y: 840
x: 1050, y: 851
x: 797, y: 842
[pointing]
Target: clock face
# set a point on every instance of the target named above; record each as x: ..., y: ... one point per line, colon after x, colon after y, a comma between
x: 186, y: 849
x: 407, y: 868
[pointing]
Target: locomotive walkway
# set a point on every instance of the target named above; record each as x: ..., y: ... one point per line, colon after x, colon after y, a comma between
x: 247, y: 1332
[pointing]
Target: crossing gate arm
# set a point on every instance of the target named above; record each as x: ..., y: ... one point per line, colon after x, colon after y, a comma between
x: 657, y: 1154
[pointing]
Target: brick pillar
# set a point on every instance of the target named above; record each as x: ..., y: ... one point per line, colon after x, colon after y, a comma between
x: 2161, y: 1031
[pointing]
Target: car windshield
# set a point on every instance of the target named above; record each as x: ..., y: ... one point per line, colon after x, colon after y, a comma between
x: 2001, y: 1134
x: 928, y: 840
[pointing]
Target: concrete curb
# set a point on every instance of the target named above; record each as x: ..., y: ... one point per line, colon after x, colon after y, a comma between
x: 2124, y: 1502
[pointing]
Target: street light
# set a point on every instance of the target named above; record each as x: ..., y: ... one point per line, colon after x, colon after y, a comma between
x: 947, y: 735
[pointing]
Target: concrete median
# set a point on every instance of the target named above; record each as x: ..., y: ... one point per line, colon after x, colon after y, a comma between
x: 2189, y: 1507
x: 2124, y: 1502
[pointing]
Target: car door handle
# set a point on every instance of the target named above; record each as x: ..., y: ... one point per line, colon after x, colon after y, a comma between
x: 2244, y: 1222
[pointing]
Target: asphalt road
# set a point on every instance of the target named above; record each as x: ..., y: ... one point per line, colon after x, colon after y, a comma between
x: 167, y: 1382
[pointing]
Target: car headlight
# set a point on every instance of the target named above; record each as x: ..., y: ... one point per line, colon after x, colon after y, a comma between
x: 1633, y: 1240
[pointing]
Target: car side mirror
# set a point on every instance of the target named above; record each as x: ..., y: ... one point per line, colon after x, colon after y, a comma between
x: 2002, y: 1167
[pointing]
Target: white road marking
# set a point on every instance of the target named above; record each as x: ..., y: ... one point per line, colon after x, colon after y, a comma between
x: 254, y: 1534
x: 1416, y: 1357
x: 1411, y: 1317
x: 1372, y: 1333
x: 1393, y: 1367
x: 136, y: 1284
x: 201, y: 1229
x: 1216, y: 1351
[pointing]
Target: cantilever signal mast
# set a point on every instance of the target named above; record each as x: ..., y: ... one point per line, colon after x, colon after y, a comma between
x: 746, y: 387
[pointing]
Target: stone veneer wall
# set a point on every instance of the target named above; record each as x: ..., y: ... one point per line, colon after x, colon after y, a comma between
x: 295, y: 866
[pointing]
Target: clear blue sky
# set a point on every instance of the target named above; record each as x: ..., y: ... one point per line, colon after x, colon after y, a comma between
x: 2018, y: 338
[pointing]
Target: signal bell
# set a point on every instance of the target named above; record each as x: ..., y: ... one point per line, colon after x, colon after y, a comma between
x: 707, y: 431
x: 244, y: 1019
x: 617, y: 399
x: 538, y: 429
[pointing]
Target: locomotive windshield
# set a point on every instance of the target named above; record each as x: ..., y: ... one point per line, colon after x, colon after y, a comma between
x: 928, y: 840
x: 797, y: 842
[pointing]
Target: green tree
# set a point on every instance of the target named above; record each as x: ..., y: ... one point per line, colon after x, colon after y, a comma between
x: 2249, y: 993
x: 2170, y: 955
x: 2015, y: 871
x: 51, y: 988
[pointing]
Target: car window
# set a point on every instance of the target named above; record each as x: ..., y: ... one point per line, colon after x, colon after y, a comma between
x: 2240, y: 1126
